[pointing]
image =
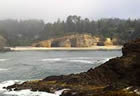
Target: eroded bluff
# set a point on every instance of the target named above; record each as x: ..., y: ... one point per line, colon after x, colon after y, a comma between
x: 78, y: 40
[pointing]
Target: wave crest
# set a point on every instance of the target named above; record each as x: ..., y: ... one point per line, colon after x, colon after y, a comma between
x: 24, y: 92
x: 86, y: 60
x: 2, y: 60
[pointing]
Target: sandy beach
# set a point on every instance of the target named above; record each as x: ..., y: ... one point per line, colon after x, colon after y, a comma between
x: 29, y: 48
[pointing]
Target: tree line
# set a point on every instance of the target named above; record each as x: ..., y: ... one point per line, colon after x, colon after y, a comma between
x: 21, y: 33
x: 121, y: 29
x: 25, y: 32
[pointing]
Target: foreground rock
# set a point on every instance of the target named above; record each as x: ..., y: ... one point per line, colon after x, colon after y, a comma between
x: 109, y: 79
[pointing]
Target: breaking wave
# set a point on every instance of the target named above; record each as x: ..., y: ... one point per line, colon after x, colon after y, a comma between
x: 82, y: 61
x: 86, y: 60
x: 3, y: 69
x: 52, y: 59
x: 2, y: 60
x: 23, y: 92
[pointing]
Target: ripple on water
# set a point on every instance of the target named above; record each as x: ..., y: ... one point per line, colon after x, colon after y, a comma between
x: 85, y: 60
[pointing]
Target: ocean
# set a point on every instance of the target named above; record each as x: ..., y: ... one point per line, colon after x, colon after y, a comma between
x: 20, y: 66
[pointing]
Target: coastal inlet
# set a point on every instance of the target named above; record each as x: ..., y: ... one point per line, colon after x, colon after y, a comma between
x: 30, y: 65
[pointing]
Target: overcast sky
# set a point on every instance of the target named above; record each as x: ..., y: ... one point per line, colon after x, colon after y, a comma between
x: 50, y: 10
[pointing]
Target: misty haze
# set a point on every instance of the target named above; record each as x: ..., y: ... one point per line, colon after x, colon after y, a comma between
x: 69, y: 48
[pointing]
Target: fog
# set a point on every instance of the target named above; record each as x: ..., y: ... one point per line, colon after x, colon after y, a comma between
x: 51, y: 10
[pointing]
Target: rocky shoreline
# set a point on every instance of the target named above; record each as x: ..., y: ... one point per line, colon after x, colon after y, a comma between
x: 113, y: 78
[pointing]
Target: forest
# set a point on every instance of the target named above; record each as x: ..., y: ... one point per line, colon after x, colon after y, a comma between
x: 25, y: 32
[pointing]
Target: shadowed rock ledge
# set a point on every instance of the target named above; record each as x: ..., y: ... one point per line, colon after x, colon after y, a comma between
x: 109, y: 79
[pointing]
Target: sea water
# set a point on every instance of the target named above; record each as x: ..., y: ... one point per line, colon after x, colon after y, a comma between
x: 19, y: 66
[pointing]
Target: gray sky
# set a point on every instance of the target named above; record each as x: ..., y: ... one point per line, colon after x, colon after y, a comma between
x: 50, y: 10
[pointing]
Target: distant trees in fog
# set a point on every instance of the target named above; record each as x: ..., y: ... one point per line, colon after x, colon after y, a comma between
x: 20, y: 33
x: 122, y: 29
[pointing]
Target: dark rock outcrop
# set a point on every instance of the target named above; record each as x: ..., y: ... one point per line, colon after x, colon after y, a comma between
x: 114, y: 75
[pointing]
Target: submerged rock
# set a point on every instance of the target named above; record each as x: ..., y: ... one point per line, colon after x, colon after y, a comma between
x: 109, y: 78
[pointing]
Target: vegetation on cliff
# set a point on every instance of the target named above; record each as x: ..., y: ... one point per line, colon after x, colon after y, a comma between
x: 113, y: 78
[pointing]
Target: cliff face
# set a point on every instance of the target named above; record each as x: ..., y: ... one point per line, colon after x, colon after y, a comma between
x: 79, y: 40
x: 46, y: 43
x: 108, y: 42
x: 114, y: 75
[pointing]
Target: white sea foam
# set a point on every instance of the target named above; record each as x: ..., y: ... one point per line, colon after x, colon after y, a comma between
x: 102, y: 60
x: 81, y: 58
x: 31, y: 93
x: 2, y: 60
x: 24, y: 92
x: 86, y: 60
x: 90, y: 60
x: 8, y: 83
x: 52, y: 59
x: 107, y: 59
x: 82, y: 61
x: 2, y: 69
